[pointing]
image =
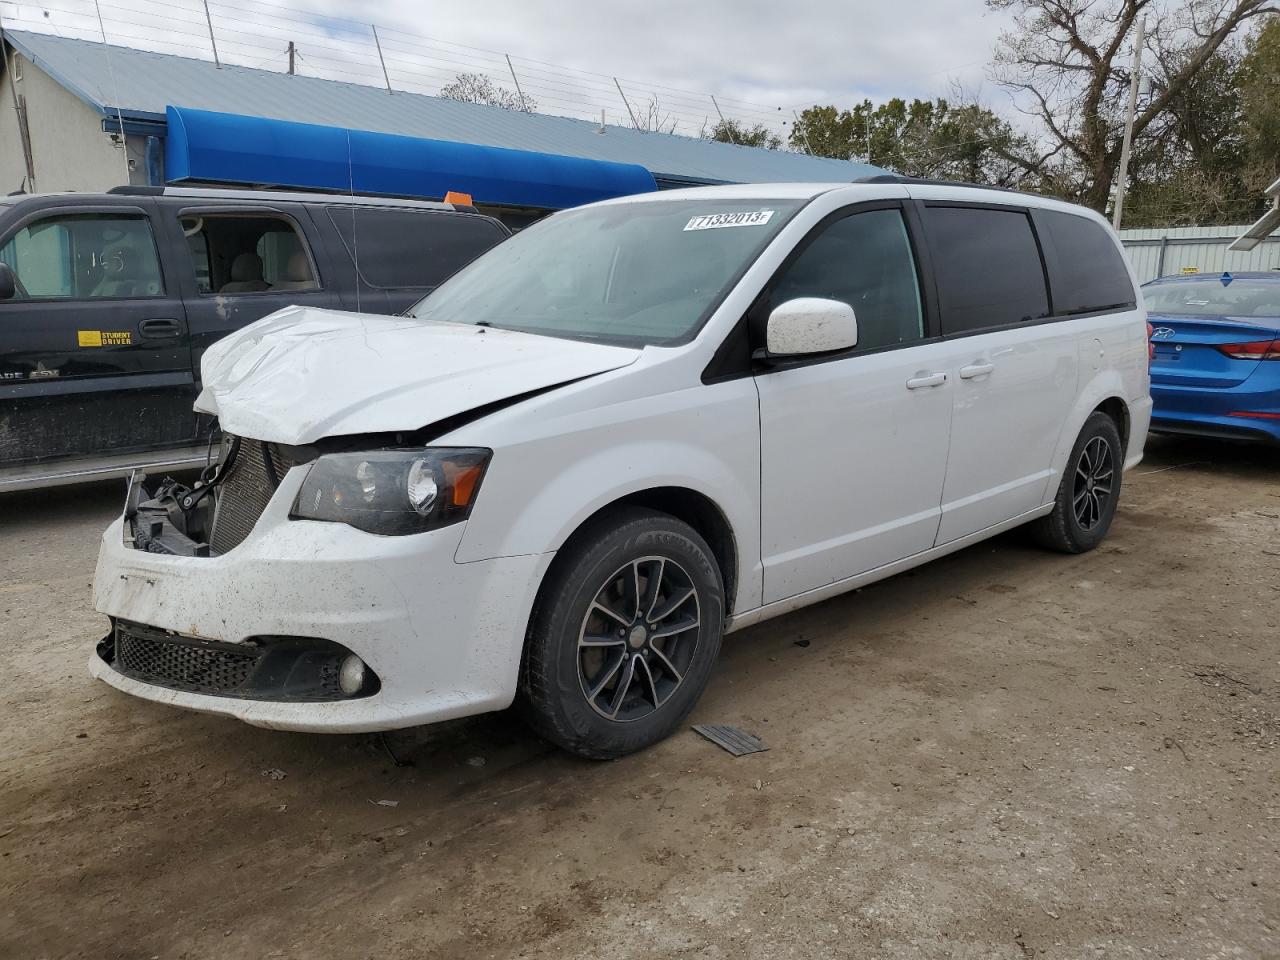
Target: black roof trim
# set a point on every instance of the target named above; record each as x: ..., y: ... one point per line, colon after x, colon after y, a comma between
x: 924, y: 181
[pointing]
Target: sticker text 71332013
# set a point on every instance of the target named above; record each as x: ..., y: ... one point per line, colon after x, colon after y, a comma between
x: 714, y: 221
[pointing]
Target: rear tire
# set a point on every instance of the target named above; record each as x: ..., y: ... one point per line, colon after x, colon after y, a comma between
x: 1090, y: 489
x: 624, y: 636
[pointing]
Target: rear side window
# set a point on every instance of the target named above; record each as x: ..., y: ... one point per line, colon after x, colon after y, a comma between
x: 411, y: 249
x: 987, y: 266
x: 238, y: 254
x: 1090, y: 273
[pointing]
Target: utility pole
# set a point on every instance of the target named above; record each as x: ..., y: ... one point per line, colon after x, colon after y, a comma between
x: 378, y: 43
x: 115, y: 87
x: 628, y: 105
x: 208, y: 18
x: 524, y: 104
x: 292, y: 52
x: 804, y: 134
x: 1135, y: 74
x: 723, y: 123
x: 19, y: 111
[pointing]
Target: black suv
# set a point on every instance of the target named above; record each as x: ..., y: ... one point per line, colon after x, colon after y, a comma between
x: 107, y: 302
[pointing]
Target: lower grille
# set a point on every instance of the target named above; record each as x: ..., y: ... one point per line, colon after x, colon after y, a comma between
x: 245, y: 492
x: 280, y: 668
x: 198, y: 666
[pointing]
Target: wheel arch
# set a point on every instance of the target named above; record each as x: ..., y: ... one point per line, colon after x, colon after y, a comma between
x: 1104, y: 393
x: 688, y: 505
x: 1115, y: 408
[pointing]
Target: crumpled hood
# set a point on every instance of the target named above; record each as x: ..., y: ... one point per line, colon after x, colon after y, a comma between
x: 303, y: 374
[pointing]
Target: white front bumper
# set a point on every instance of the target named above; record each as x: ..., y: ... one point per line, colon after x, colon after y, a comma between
x: 445, y: 638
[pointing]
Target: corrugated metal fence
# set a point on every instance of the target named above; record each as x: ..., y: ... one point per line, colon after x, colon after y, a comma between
x: 1167, y: 251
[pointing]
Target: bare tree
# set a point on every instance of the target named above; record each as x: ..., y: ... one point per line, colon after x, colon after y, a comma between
x: 478, y: 88
x: 653, y: 119
x: 1067, y: 63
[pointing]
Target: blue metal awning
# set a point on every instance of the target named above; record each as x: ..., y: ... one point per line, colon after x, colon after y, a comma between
x: 230, y: 148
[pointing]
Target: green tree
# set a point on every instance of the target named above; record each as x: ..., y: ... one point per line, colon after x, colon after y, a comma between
x: 734, y: 131
x: 921, y: 138
x: 1210, y: 157
x: 1259, y: 85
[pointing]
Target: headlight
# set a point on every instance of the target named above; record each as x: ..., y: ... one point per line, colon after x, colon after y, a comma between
x: 393, y: 492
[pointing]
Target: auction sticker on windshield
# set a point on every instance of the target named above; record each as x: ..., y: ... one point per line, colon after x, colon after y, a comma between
x: 714, y: 221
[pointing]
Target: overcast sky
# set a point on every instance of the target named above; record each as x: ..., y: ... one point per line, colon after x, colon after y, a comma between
x: 777, y: 53
x: 760, y: 58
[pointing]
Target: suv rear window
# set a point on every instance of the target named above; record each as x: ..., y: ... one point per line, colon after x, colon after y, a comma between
x: 987, y: 266
x: 1090, y: 273
x: 401, y: 248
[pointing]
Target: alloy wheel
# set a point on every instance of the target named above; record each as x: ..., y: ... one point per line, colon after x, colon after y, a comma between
x: 638, y: 638
x: 1095, y: 471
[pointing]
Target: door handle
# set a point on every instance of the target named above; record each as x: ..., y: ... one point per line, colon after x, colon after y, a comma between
x: 160, y: 329
x: 980, y: 369
x: 926, y: 380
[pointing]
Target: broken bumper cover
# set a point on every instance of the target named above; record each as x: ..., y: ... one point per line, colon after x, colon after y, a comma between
x: 444, y: 638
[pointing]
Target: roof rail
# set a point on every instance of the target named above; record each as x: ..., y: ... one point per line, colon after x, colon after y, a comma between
x: 296, y: 196
x: 924, y: 181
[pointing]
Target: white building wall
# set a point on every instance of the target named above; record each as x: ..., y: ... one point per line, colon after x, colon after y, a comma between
x: 68, y: 146
x: 1195, y: 250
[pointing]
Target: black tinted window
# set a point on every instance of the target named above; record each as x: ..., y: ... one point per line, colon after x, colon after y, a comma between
x: 987, y: 266
x: 406, y: 248
x: 1090, y: 272
x: 864, y: 260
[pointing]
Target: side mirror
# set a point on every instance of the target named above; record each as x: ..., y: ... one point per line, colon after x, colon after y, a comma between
x: 810, y: 325
x: 8, y: 282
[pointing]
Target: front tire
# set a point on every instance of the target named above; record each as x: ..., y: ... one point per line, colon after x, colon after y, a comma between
x: 625, y: 634
x: 1089, y: 492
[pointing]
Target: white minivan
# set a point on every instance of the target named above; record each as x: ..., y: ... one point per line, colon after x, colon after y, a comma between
x: 632, y: 428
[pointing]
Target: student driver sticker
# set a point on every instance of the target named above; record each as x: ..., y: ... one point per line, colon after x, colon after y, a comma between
x: 714, y: 221
x: 103, y: 338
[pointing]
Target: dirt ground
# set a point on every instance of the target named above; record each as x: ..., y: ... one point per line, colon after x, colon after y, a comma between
x: 1006, y: 754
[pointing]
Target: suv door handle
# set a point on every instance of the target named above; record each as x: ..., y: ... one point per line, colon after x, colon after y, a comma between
x: 926, y: 380
x: 160, y: 329
x: 980, y: 369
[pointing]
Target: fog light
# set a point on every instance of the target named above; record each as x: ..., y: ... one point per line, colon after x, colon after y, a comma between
x: 351, y: 675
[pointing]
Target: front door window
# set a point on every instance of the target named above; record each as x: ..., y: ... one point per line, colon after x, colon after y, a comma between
x: 85, y: 257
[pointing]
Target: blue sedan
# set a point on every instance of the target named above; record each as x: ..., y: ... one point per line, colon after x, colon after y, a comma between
x: 1215, y: 361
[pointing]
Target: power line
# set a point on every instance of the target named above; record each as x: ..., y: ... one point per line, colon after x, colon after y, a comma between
x: 245, y: 37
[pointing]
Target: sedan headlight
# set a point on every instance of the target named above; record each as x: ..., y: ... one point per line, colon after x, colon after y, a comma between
x: 393, y: 492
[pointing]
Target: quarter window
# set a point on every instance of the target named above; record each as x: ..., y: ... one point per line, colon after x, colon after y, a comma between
x: 411, y: 249
x: 1090, y: 273
x: 85, y: 257
x: 987, y: 266
x: 247, y: 254
x: 863, y: 260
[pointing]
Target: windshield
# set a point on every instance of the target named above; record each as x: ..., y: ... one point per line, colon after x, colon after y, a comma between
x: 634, y: 273
x: 1213, y: 298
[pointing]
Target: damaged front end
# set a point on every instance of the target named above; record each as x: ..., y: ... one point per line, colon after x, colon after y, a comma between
x: 207, y: 519
x: 214, y: 514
